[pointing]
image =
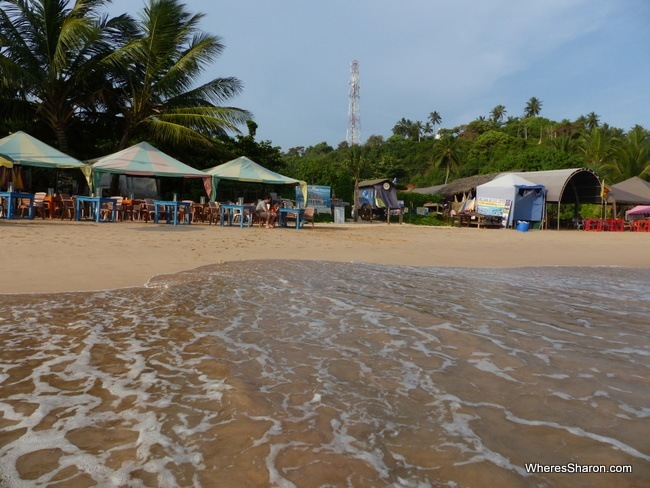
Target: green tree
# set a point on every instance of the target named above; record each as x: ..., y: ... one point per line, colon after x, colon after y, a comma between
x: 418, y: 127
x: 408, y: 129
x: 50, y: 56
x: 564, y: 143
x: 590, y: 121
x: 596, y: 147
x: 155, y: 73
x: 631, y: 157
x: 435, y: 119
x: 428, y: 128
x: 533, y: 107
x: 497, y: 114
x: 446, y: 154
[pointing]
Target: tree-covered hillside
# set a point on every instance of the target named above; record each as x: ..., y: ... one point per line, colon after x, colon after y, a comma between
x: 418, y: 155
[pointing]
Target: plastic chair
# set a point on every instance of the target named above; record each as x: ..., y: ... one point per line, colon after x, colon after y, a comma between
x: 593, y: 225
x: 309, y: 215
x: 615, y: 225
x: 40, y: 206
x: 578, y: 224
x: 212, y: 212
x: 640, y: 226
x: 66, y: 207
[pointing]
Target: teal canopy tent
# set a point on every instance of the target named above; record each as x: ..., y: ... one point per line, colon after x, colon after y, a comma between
x: 25, y: 150
x: 243, y: 169
x: 143, y: 159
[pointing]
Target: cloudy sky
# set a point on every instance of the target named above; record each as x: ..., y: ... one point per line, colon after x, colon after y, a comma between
x: 460, y: 58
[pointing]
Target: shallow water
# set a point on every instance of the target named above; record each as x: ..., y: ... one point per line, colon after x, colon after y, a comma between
x: 287, y: 374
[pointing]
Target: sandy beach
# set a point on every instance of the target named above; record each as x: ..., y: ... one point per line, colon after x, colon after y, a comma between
x: 55, y: 256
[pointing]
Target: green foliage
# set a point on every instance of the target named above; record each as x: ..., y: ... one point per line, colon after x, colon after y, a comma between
x: 413, y: 200
x: 432, y: 220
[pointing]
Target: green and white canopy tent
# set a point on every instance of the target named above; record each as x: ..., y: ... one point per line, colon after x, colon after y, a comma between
x: 142, y: 159
x: 25, y: 150
x: 244, y: 169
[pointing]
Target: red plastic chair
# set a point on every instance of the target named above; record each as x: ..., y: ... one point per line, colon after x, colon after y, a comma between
x: 593, y: 225
x: 640, y: 226
x: 615, y: 225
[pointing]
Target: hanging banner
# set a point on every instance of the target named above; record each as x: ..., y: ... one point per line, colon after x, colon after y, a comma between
x: 492, y: 206
x: 495, y: 207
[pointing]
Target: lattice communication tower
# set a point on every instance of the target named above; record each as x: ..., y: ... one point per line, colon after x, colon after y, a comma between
x: 354, y: 130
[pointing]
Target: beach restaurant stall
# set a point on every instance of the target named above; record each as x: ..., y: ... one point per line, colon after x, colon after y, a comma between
x: 25, y: 150
x: 513, y: 198
x: 245, y: 170
x: 572, y: 186
x: 140, y: 162
x: 633, y: 191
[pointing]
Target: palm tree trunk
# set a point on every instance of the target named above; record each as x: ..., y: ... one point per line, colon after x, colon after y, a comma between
x: 61, y: 136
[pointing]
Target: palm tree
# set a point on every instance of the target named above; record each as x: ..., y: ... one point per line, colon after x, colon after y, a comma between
x: 497, y: 114
x: 407, y: 129
x: 591, y: 120
x: 564, y: 143
x: 446, y: 153
x: 428, y: 128
x: 533, y: 107
x: 418, y: 130
x: 50, y: 58
x: 631, y: 156
x: 155, y: 73
x: 435, y: 119
x: 597, y: 146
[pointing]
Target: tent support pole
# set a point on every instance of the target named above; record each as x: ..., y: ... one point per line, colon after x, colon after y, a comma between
x: 558, y: 215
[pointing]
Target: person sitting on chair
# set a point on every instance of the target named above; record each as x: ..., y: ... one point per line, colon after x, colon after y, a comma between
x: 263, y: 211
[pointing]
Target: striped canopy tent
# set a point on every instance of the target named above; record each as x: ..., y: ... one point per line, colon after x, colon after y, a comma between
x: 244, y: 169
x: 25, y: 150
x: 143, y: 159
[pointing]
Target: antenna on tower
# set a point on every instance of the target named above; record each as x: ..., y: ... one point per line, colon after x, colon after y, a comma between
x: 354, y: 135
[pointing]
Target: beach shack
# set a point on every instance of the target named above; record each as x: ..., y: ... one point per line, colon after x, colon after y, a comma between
x: 513, y: 198
x: 377, y: 199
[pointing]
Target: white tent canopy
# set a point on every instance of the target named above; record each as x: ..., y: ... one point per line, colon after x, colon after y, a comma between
x: 526, y: 198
